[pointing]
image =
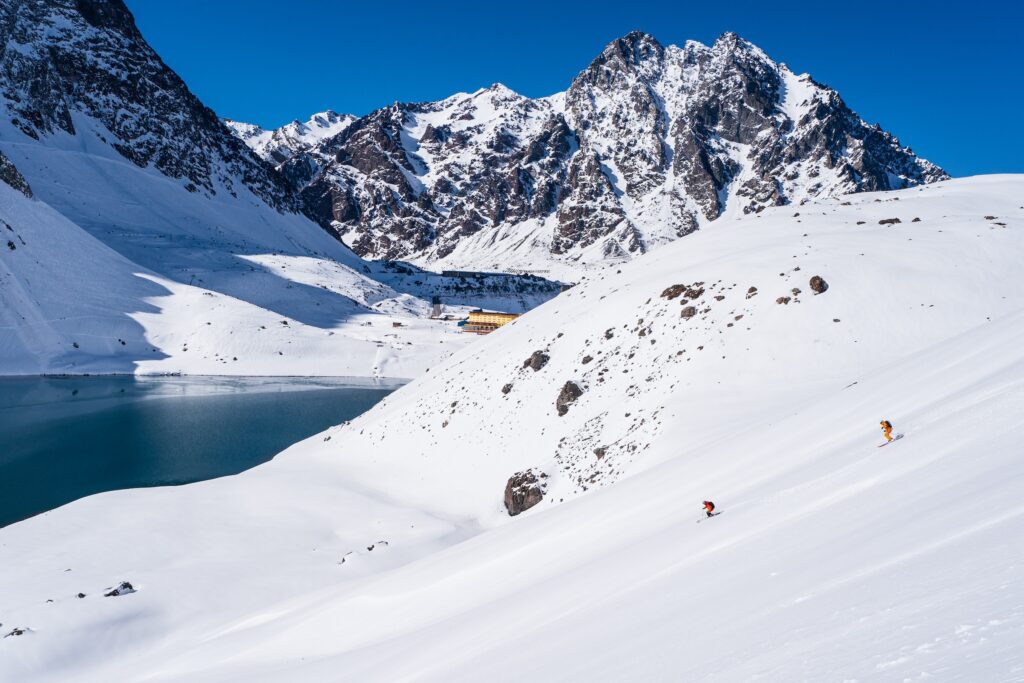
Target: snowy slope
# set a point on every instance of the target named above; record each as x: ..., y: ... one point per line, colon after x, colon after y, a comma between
x: 149, y: 278
x: 217, y: 269
x: 831, y: 560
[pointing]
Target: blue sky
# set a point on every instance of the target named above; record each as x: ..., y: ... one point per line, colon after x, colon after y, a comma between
x: 947, y: 80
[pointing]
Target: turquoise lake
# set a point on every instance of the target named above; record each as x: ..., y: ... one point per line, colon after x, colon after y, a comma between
x: 65, y: 438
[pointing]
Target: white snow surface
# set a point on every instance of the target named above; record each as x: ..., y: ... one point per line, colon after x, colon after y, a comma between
x: 831, y: 559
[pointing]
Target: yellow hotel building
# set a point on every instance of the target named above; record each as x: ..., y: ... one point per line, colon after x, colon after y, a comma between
x: 485, y: 322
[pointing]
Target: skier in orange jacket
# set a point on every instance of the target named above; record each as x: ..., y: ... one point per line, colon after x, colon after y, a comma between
x: 709, y: 507
x: 887, y: 430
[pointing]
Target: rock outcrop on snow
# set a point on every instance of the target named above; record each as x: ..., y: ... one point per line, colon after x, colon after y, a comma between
x: 567, y: 396
x: 9, y: 174
x: 524, y: 490
x: 648, y: 143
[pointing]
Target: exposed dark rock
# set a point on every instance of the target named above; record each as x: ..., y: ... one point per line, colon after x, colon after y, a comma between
x: 537, y: 360
x: 688, y: 312
x: 916, y: 220
x: 587, y: 359
x: 694, y: 292
x: 889, y: 221
x: 674, y: 291
x: 782, y: 300
x: 123, y: 588
x: 600, y: 451
x: 752, y: 292
x: 507, y: 388
x: 818, y: 284
x: 567, y: 396
x: 524, y: 490
x: 10, y: 175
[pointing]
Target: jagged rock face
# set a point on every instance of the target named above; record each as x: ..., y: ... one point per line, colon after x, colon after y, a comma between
x: 648, y: 144
x: 65, y: 59
x: 10, y: 175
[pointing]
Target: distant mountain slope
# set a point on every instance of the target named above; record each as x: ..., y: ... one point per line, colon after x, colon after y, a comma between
x: 832, y: 559
x: 109, y: 138
x: 647, y: 144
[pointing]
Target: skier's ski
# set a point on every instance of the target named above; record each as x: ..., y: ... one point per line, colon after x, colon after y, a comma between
x: 713, y: 514
x: 895, y: 438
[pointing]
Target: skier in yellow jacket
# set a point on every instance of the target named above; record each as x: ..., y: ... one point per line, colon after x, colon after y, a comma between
x: 887, y: 430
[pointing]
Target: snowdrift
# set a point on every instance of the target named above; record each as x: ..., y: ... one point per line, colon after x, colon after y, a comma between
x: 381, y: 549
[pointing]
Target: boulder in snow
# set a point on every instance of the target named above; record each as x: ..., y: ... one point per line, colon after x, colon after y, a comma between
x: 567, y: 396
x: 524, y: 490
x: 818, y: 284
x: 537, y: 360
x: 123, y: 588
x: 674, y: 291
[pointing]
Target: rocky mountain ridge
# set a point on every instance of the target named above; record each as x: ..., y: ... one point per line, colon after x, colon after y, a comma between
x: 65, y: 61
x: 648, y: 144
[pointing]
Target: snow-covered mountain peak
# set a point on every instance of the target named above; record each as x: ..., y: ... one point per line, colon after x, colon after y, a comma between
x: 292, y: 139
x: 647, y: 144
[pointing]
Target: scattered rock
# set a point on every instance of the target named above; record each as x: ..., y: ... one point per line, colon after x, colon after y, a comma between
x: 990, y: 218
x: 600, y: 451
x: 587, y: 359
x: 818, y: 284
x: 80, y: 596
x: 752, y: 292
x: 782, y: 300
x: 536, y: 361
x: 688, y: 312
x: 567, y: 396
x: 916, y: 220
x: 796, y: 291
x: 889, y: 221
x: 18, y: 632
x: 674, y: 291
x: 609, y: 333
x: 524, y: 490
x: 507, y: 388
x: 123, y: 588
x: 695, y: 291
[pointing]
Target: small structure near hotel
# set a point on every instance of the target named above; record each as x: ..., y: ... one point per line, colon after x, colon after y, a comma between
x: 485, y: 322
